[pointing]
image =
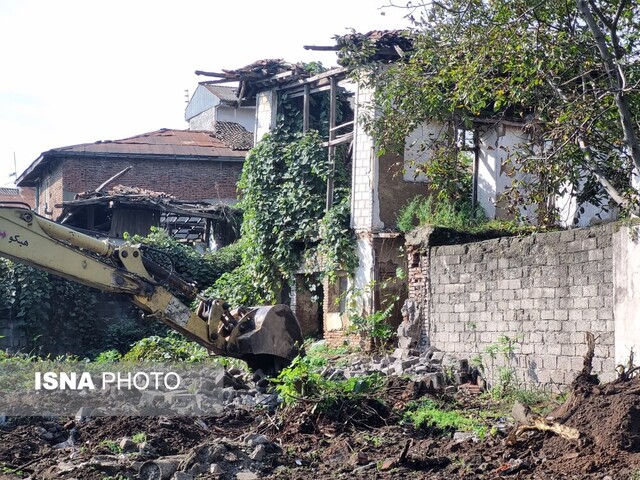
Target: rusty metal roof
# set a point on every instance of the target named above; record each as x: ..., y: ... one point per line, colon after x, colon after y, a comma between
x: 161, y: 144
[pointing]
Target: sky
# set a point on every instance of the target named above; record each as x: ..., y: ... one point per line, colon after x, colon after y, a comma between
x: 79, y: 71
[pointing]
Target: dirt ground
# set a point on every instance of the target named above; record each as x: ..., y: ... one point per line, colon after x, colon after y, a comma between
x: 369, y: 444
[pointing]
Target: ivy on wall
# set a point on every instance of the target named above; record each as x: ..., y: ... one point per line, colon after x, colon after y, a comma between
x: 284, y: 185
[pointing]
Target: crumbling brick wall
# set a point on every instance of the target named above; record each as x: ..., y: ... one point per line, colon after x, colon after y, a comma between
x: 543, y: 291
x: 186, y: 180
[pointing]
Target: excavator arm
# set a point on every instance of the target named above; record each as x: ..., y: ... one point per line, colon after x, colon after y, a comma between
x: 265, y: 337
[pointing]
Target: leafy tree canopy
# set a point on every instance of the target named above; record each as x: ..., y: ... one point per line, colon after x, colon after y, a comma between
x: 568, y: 70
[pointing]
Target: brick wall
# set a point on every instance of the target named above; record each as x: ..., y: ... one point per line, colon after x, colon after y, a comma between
x: 544, y: 291
x: 187, y: 180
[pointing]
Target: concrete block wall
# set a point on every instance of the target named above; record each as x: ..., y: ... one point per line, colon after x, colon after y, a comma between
x: 542, y: 291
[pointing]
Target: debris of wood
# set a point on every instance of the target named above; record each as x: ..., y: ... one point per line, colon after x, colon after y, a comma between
x: 531, y: 421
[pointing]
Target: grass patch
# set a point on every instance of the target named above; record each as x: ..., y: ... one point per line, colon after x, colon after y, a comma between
x: 427, y: 413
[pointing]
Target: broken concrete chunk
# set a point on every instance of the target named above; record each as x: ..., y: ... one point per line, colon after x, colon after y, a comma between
x: 255, y: 439
x: 437, y: 357
x: 258, y: 453
x: 127, y: 445
x: 83, y: 414
x: 215, y: 469
x: 246, y: 475
x: 182, y: 476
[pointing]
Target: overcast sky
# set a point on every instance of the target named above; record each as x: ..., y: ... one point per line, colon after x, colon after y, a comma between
x: 78, y: 71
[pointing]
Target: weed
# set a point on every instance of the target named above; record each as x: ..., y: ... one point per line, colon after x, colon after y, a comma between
x: 139, y: 437
x: 173, y: 347
x: 108, y: 356
x: 375, y: 440
x: 428, y: 414
x: 111, y: 445
x: 302, y: 382
x: 12, y: 471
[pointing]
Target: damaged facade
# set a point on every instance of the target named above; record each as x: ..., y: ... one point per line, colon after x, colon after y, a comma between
x: 190, y: 165
x: 126, y: 210
x: 383, y: 183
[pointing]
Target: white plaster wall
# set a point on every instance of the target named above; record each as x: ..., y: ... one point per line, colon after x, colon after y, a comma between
x: 245, y: 116
x: 583, y: 215
x: 266, y: 110
x: 496, y: 145
x: 203, y: 121
x: 364, y: 274
x: 201, y: 101
x: 417, y: 151
x: 626, y: 293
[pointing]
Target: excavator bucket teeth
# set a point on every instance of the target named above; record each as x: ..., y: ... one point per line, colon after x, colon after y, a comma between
x: 267, y: 338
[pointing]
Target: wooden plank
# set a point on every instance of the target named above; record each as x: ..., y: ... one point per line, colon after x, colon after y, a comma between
x: 305, y: 109
x: 332, y: 136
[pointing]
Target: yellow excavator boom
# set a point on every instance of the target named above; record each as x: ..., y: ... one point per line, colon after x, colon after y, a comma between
x: 266, y: 337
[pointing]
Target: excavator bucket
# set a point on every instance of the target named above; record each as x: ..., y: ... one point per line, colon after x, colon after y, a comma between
x: 267, y: 338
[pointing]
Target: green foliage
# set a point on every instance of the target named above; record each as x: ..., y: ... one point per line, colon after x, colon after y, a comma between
x: 374, y: 326
x: 173, y: 347
x: 504, y: 374
x: 337, y: 247
x: 108, y: 356
x: 204, y: 269
x: 54, y: 313
x: 139, y: 437
x: 429, y: 414
x: 565, y: 70
x: 301, y: 381
x: 283, y: 187
x: 111, y: 445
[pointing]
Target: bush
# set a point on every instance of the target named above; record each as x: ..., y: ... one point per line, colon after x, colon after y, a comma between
x: 204, y: 269
x: 173, y: 347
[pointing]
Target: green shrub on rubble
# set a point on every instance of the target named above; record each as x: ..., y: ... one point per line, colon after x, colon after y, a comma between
x: 172, y: 347
x: 302, y: 382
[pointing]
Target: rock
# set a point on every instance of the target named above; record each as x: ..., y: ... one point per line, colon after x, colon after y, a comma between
x: 83, y: 414
x: 127, y: 445
x: 388, y: 464
x: 215, y: 469
x: 437, y: 357
x: 231, y: 457
x: 147, y: 449
x: 246, y: 475
x: 360, y: 458
x: 258, y: 453
x: 254, y: 439
x: 216, y: 452
x: 460, y: 437
x: 182, y: 476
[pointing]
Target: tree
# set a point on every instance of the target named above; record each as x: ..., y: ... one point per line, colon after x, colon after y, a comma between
x: 569, y: 70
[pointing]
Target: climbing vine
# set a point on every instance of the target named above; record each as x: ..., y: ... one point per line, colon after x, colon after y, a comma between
x: 283, y: 186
